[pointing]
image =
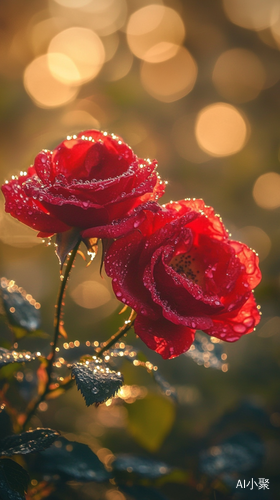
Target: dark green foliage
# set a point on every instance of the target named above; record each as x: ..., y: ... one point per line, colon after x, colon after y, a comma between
x: 96, y: 382
x: 150, y: 420
x: 19, y: 311
x: 138, y: 492
x: 246, y: 415
x: 6, y: 426
x: 7, y: 357
x: 13, y: 480
x: 143, y: 467
x: 72, y: 461
x: 240, y: 453
x: 27, y: 442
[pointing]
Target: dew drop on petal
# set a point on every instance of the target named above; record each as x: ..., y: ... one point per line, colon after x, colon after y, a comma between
x: 239, y: 328
x: 249, y: 322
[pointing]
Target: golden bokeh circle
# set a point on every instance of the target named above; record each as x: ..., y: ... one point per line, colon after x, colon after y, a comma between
x: 220, y: 129
x: 171, y: 79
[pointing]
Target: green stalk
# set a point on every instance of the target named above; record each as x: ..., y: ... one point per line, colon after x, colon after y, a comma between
x: 121, y: 331
x: 57, y: 318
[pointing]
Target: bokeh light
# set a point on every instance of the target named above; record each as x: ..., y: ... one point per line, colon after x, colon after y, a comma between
x: 266, y: 191
x: 255, y: 238
x: 221, y: 130
x: 114, y: 494
x: 63, y: 68
x: 119, y: 66
x: 91, y: 294
x: 172, y: 79
x: 106, y: 16
x: 239, y: 75
x: 275, y: 27
x: 251, y: 14
x: 84, y: 48
x: 73, y: 4
x: 185, y: 142
x: 42, y: 31
x: 44, y: 89
x: 154, y: 33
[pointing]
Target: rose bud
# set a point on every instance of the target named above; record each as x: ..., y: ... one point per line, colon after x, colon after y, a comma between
x: 180, y: 272
x: 89, y: 180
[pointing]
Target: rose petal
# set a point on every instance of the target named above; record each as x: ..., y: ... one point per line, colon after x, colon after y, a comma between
x: 249, y: 261
x: 122, y: 265
x: 178, y: 305
x: 231, y: 326
x: 43, y: 166
x: 210, y: 223
x: 165, y: 338
x: 29, y: 211
x: 120, y: 227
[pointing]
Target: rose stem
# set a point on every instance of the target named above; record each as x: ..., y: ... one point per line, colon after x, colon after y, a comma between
x: 121, y: 331
x: 50, y: 359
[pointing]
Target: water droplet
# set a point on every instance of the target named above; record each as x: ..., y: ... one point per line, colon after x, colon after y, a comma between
x: 248, y: 322
x: 239, y: 328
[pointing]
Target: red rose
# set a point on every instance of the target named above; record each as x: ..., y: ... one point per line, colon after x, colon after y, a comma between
x: 88, y: 180
x: 180, y: 272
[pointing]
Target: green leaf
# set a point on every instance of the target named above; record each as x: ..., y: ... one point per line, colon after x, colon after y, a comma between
x: 13, y: 480
x: 7, y: 357
x: 6, y: 426
x: 20, y: 333
x: 150, y: 420
x: 96, y: 382
x: 27, y: 442
x: 19, y: 311
x: 72, y: 461
x: 242, y: 452
x: 139, y: 466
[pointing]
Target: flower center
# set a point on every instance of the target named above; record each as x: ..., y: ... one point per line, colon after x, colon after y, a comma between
x: 187, y: 264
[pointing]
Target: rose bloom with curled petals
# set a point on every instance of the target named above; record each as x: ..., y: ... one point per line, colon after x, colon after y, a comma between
x: 180, y: 272
x: 89, y: 180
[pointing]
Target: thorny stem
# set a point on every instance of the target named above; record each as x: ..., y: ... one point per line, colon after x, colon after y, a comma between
x: 57, y: 318
x: 58, y: 310
x: 121, y: 331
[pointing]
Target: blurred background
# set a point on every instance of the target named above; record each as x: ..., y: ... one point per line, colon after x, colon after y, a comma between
x: 197, y: 86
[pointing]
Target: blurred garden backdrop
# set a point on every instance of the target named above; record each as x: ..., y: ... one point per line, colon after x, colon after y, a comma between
x: 197, y: 86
